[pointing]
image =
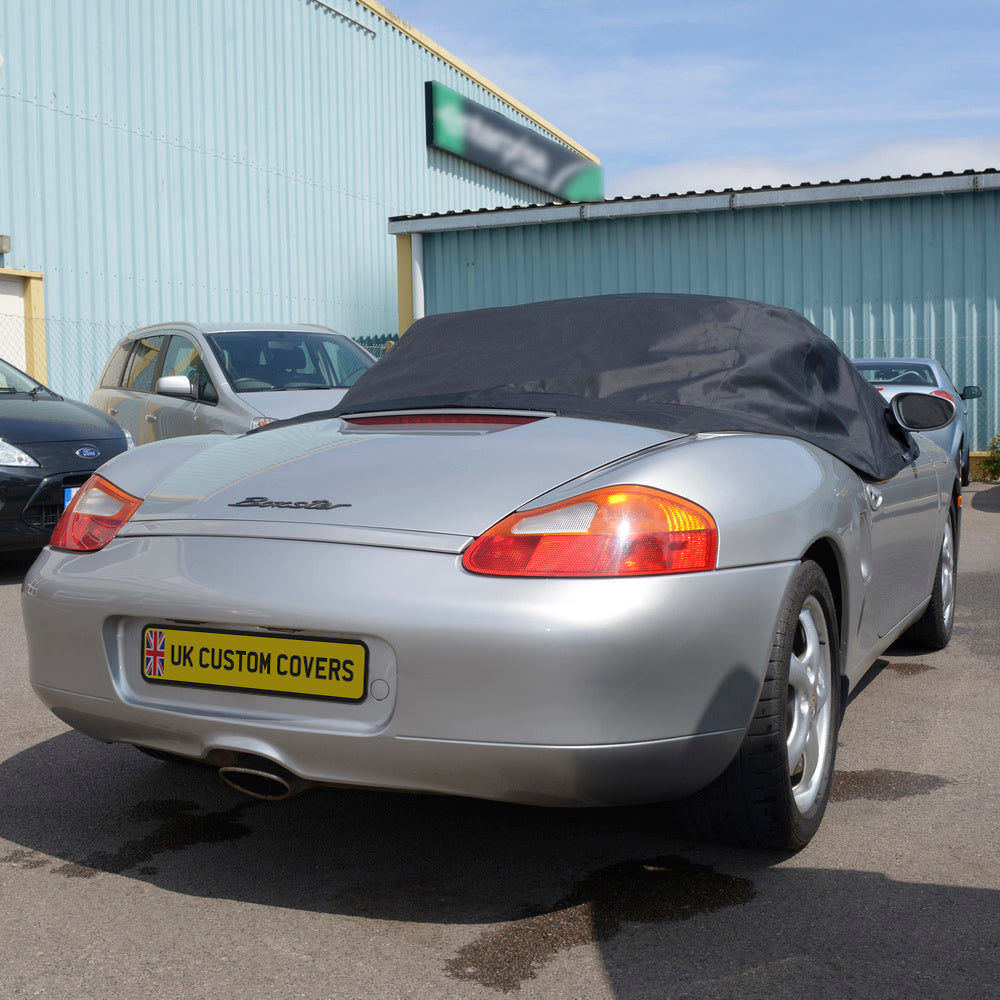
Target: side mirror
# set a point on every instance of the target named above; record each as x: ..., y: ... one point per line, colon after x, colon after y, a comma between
x: 175, y: 385
x: 971, y: 392
x: 919, y: 411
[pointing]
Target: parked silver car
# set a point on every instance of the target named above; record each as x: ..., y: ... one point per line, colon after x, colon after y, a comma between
x: 601, y: 551
x: 176, y: 379
x: 894, y: 375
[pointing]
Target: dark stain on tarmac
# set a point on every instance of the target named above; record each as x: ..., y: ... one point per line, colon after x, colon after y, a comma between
x: 880, y: 785
x: 909, y: 669
x: 658, y: 889
x: 21, y: 858
x: 179, y: 828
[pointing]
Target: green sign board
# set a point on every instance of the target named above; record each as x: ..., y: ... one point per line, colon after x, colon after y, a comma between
x: 480, y: 135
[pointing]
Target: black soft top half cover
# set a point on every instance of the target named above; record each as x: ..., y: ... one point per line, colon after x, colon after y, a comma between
x: 686, y: 363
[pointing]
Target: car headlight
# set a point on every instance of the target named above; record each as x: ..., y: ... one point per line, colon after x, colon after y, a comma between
x: 10, y: 454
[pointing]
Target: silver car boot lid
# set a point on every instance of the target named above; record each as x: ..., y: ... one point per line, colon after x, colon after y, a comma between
x: 324, y: 473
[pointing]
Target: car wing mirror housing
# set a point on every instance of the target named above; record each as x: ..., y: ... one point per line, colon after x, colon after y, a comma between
x: 971, y: 392
x: 174, y: 385
x: 919, y: 411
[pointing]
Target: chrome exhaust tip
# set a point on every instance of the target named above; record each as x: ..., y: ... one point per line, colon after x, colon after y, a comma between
x: 261, y: 779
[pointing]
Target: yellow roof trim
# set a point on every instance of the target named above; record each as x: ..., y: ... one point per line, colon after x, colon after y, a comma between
x: 9, y: 272
x: 421, y: 39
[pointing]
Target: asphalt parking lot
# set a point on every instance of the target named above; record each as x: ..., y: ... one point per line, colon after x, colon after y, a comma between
x: 121, y: 876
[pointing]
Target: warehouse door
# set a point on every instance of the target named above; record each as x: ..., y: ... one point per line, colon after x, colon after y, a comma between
x: 12, y: 340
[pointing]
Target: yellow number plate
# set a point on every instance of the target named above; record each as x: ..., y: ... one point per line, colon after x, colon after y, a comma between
x: 315, y: 668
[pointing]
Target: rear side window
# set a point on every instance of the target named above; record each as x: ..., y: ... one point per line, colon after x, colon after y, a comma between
x: 900, y: 373
x: 145, y: 360
x: 113, y: 370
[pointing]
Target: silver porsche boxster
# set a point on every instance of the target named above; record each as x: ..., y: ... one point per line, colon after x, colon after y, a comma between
x: 599, y: 551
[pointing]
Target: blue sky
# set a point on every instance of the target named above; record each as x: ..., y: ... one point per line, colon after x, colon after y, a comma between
x: 690, y: 96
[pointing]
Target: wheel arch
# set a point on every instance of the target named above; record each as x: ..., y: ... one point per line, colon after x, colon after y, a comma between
x: 825, y: 553
x: 955, y: 513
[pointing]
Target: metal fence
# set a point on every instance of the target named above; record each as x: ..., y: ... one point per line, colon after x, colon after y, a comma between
x: 377, y: 346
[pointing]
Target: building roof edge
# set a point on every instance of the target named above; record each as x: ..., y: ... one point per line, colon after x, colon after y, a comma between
x: 422, y: 40
x: 864, y: 189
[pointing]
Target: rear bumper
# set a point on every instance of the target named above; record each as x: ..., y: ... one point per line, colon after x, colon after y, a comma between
x: 535, y: 691
x: 602, y: 775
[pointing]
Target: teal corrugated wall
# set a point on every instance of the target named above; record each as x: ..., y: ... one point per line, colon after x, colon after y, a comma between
x: 216, y: 160
x: 915, y: 276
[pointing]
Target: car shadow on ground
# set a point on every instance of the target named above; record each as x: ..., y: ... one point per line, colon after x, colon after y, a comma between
x: 901, y: 659
x: 669, y: 917
x: 986, y: 499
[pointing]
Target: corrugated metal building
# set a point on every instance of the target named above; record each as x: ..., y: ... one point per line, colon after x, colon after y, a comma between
x: 895, y: 267
x: 216, y: 160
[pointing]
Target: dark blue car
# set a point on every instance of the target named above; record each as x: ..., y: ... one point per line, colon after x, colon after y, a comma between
x: 49, y: 447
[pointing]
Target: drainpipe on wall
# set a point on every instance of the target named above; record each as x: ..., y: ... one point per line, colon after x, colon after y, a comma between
x: 417, y: 264
x: 409, y: 279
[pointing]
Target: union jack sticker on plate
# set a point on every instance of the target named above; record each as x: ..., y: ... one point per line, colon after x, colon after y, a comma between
x: 154, y: 662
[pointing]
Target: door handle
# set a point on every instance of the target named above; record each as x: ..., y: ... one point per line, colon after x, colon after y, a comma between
x: 113, y: 411
x: 151, y: 417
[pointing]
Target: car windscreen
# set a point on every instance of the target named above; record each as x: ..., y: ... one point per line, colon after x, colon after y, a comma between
x: 284, y: 360
x: 14, y: 382
x: 896, y: 373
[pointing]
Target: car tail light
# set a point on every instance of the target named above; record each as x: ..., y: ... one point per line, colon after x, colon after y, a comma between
x: 94, y: 516
x: 944, y: 395
x: 616, y: 531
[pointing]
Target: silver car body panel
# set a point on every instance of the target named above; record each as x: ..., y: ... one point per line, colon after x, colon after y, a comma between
x: 458, y: 483
x: 532, y: 690
x: 151, y: 416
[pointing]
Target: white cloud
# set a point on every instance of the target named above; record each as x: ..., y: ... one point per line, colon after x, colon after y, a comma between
x: 888, y: 159
x: 675, y: 97
x: 651, y: 109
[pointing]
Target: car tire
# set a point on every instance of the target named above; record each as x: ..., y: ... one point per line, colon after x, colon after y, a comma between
x: 932, y: 630
x: 775, y: 791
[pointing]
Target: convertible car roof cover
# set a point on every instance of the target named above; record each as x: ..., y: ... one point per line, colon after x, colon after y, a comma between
x: 685, y: 363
